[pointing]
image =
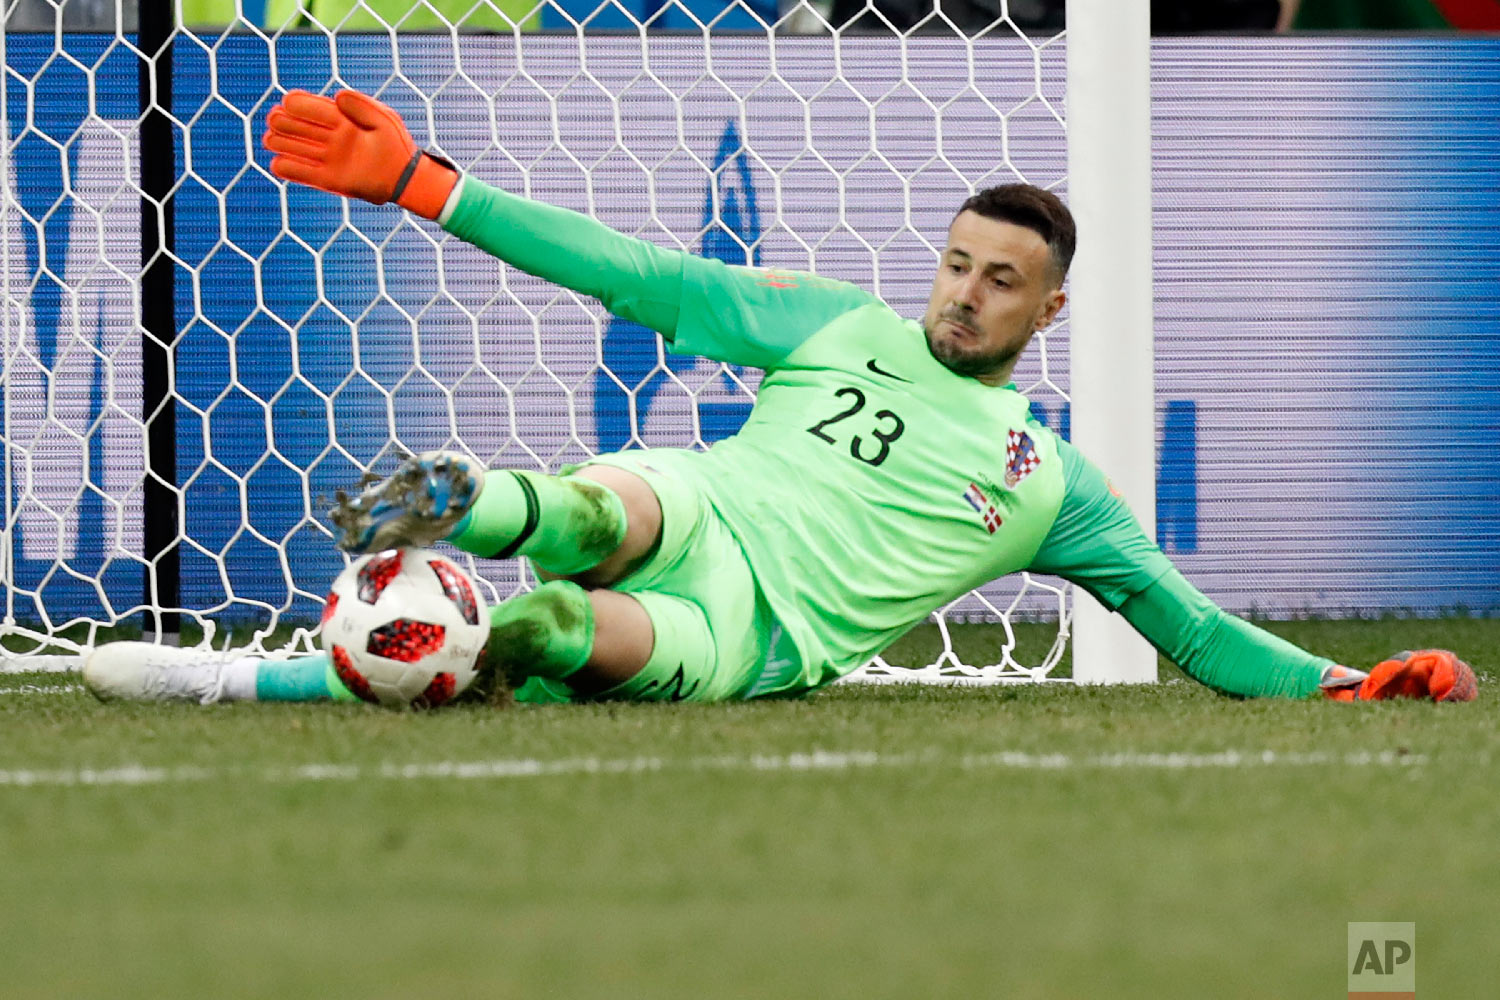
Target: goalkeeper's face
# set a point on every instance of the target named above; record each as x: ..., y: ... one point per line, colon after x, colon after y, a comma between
x: 997, y: 285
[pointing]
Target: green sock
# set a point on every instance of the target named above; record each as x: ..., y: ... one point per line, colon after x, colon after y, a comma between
x: 546, y: 633
x: 301, y: 678
x: 565, y: 525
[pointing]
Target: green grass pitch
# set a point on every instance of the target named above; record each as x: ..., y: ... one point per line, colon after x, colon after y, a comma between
x: 1022, y: 841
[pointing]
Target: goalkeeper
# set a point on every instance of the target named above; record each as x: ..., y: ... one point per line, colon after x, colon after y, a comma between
x: 887, y: 468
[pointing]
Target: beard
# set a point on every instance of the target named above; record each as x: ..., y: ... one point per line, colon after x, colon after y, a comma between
x: 971, y: 362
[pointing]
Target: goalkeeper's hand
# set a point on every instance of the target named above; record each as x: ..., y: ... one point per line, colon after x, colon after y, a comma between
x: 1427, y: 673
x: 353, y: 145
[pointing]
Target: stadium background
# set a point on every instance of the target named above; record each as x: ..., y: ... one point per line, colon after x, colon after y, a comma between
x: 1328, y: 372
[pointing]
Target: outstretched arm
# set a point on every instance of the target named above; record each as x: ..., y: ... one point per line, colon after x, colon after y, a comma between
x: 633, y: 278
x: 1216, y: 648
x: 1098, y: 544
x: 355, y: 146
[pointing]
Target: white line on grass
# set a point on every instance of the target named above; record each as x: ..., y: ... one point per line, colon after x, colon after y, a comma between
x: 813, y: 760
x: 33, y: 689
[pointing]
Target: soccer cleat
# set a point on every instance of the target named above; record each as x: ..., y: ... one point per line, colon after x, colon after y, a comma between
x: 1427, y: 673
x: 144, y: 671
x: 417, y: 505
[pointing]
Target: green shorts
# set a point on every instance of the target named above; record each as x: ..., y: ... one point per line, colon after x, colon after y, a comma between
x: 713, y: 626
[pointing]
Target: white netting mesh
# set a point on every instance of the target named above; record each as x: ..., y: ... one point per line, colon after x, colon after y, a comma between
x: 315, y: 338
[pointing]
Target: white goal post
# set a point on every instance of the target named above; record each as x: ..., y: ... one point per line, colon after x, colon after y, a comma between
x: 1114, y: 360
x: 196, y: 357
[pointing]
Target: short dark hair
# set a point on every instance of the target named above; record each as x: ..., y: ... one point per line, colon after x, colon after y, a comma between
x: 1035, y: 208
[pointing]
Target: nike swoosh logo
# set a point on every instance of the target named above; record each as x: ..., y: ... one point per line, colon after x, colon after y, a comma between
x: 881, y: 371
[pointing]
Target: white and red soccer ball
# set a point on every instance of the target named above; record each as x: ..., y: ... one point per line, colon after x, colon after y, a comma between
x: 405, y: 627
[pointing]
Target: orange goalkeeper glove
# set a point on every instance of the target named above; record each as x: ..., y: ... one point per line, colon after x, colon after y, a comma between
x: 1427, y: 673
x: 355, y: 146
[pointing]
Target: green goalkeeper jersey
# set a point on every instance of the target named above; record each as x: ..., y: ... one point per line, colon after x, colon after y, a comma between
x: 870, y: 484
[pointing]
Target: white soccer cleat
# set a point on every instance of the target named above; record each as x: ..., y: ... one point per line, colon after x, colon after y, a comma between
x: 417, y: 505
x: 144, y: 671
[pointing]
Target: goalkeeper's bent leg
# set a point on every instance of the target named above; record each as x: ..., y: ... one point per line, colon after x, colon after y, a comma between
x: 565, y: 525
x: 681, y: 659
x: 608, y: 645
x: 546, y: 633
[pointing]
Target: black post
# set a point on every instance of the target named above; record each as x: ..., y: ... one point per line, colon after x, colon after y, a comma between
x: 158, y: 315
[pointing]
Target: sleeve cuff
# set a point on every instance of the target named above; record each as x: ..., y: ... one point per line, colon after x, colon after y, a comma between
x: 451, y: 204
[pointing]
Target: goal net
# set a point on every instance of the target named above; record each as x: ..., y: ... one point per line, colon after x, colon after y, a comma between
x: 197, y: 356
